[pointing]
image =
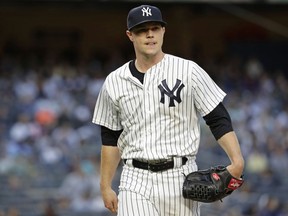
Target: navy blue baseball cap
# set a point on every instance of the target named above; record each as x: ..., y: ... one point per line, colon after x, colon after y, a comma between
x: 143, y: 14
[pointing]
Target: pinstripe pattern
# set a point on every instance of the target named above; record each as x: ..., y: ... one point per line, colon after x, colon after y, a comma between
x: 155, y: 194
x: 153, y: 130
x: 160, y: 119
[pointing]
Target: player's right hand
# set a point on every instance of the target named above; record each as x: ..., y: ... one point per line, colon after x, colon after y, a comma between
x: 110, y: 199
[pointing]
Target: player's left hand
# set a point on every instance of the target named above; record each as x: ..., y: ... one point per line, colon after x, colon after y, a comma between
x: 210, y: 185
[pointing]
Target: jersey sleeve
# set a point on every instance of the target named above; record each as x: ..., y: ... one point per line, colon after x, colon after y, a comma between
x: 207, y: 93
x: 106, y: 112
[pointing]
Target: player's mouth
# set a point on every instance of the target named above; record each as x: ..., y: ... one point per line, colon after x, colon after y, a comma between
x: 151, y: 43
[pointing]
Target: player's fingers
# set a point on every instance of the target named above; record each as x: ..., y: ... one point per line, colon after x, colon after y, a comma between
x: 115, y: 206
x: 112, y: 206
x: 109, y: 205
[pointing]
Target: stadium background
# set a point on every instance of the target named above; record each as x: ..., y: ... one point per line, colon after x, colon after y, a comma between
x: 54, y: 56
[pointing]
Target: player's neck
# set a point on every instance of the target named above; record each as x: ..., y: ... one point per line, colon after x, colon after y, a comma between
x: 144, y: 63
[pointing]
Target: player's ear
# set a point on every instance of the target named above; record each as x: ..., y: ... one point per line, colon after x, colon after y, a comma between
x: 129, y: 34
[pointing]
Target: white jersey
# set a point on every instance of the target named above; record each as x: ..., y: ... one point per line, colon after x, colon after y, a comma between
x: 159, y: 118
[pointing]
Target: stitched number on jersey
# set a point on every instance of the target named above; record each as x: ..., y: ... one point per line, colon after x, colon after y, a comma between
x: 165, y: 90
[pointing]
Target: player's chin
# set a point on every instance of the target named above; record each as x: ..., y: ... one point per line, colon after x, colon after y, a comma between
x: 151, y: 52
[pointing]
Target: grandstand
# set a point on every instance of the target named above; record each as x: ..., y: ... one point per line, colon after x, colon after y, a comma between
x: 53, y: 62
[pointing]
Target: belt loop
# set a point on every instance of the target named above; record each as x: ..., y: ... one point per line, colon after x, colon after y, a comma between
x: 178, y: 161
x: 128, y: 162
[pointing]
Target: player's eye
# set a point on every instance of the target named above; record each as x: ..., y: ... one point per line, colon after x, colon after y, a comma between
x: 141, y: 30
x: 156, y: 28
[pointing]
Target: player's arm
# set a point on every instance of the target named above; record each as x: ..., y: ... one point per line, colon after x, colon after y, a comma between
x: 110, y: 158
x: 220, y: 125
x: 230, y: 144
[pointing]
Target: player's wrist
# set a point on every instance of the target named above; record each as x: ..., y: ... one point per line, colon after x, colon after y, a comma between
x: 236, y: 170
x: 104, y: 186
x: 238, y: 163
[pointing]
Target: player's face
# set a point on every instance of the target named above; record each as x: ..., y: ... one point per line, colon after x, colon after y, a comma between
x: 147, y: 38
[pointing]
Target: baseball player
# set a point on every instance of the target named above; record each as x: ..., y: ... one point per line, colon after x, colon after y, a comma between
x: 149, y: 111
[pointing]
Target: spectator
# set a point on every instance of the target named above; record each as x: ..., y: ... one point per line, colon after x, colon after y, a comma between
x: 31, y: 144
x: 49, y: 209
x: 80, y: 190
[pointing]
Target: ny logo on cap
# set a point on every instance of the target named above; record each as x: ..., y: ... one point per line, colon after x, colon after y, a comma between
x: 146, y: 11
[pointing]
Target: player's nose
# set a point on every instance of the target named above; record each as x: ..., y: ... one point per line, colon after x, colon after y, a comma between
x: 149, y: 33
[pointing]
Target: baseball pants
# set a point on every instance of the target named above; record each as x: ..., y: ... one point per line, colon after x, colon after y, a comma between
x: 146, y: 193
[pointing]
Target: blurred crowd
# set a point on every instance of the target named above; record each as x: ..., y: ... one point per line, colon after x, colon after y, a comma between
x: 50, y: 150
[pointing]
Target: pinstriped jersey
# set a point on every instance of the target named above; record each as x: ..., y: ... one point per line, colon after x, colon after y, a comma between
x: 159, y: 118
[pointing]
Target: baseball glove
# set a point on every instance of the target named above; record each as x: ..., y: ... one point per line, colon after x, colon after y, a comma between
x: 210, y: 185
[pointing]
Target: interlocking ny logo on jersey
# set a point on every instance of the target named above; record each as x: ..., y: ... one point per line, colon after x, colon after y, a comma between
x: 146, y: 11
x: 165, y: 90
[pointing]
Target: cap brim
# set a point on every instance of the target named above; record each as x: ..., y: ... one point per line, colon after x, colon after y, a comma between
x: 145, y: 21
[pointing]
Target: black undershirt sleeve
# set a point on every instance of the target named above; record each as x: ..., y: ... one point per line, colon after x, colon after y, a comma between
x: 109, y: 137
x: 219, y: 121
